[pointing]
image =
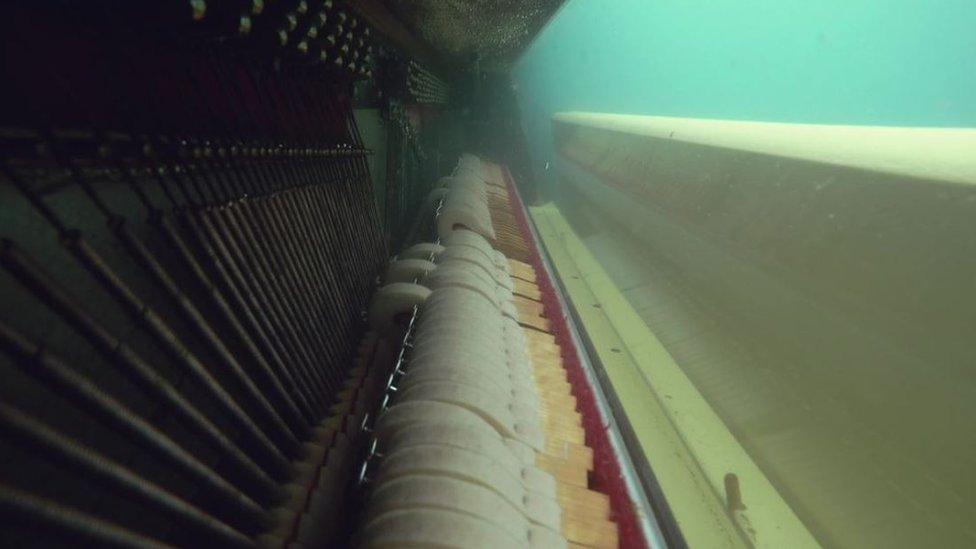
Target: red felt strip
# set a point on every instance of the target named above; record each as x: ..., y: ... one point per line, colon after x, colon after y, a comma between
x: 606, y: 476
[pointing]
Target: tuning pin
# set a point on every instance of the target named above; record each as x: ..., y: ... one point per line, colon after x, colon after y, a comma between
x: 198, y: 8
x: 213, y: 17
x: 244, y: 25
x: 281, y: 35
x: 302, y: 7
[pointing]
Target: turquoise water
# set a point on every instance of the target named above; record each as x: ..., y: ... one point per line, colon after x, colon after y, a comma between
x: 831, y: 331
x: 876, y: 62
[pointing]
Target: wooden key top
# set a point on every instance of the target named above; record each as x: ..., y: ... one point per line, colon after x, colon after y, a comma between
x: 583, y: 501
x: 527, y: 289
x: 563, y: 470
x: 570, y: 452
x: 591, y: 534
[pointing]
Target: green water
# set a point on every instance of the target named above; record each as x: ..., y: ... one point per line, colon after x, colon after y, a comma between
x: 874, y: 62
x: 864, y: 418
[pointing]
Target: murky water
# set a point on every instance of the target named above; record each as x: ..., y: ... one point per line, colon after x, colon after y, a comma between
x: 826, y: 313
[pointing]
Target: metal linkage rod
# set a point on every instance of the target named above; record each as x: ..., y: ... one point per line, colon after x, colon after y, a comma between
x: 86, y: 462
x: 230, y: 224
x: 290, y: 264
x: 285, y: 440
x: 264, y: 278
x: 23, y: 508
x: 253, y: 480
x: 233, y: 257
x: 273, y: 351
x: 328, y: 114
x: 325, y: 265
x: 290, y: 261
x: 275, y: 277
x: 260, y: 351
x: 253, y: 304
x: 252, y: 231
x: 257, y: 253
x: 296, y: 266
x: 320, y: 178
x: 267, y: 453
x: 285, y: 435
x: 264, y: 324
x: 238, y: 509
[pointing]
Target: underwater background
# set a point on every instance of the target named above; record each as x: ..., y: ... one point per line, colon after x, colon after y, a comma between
x: 831, y: 331
x: 872, y: 62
